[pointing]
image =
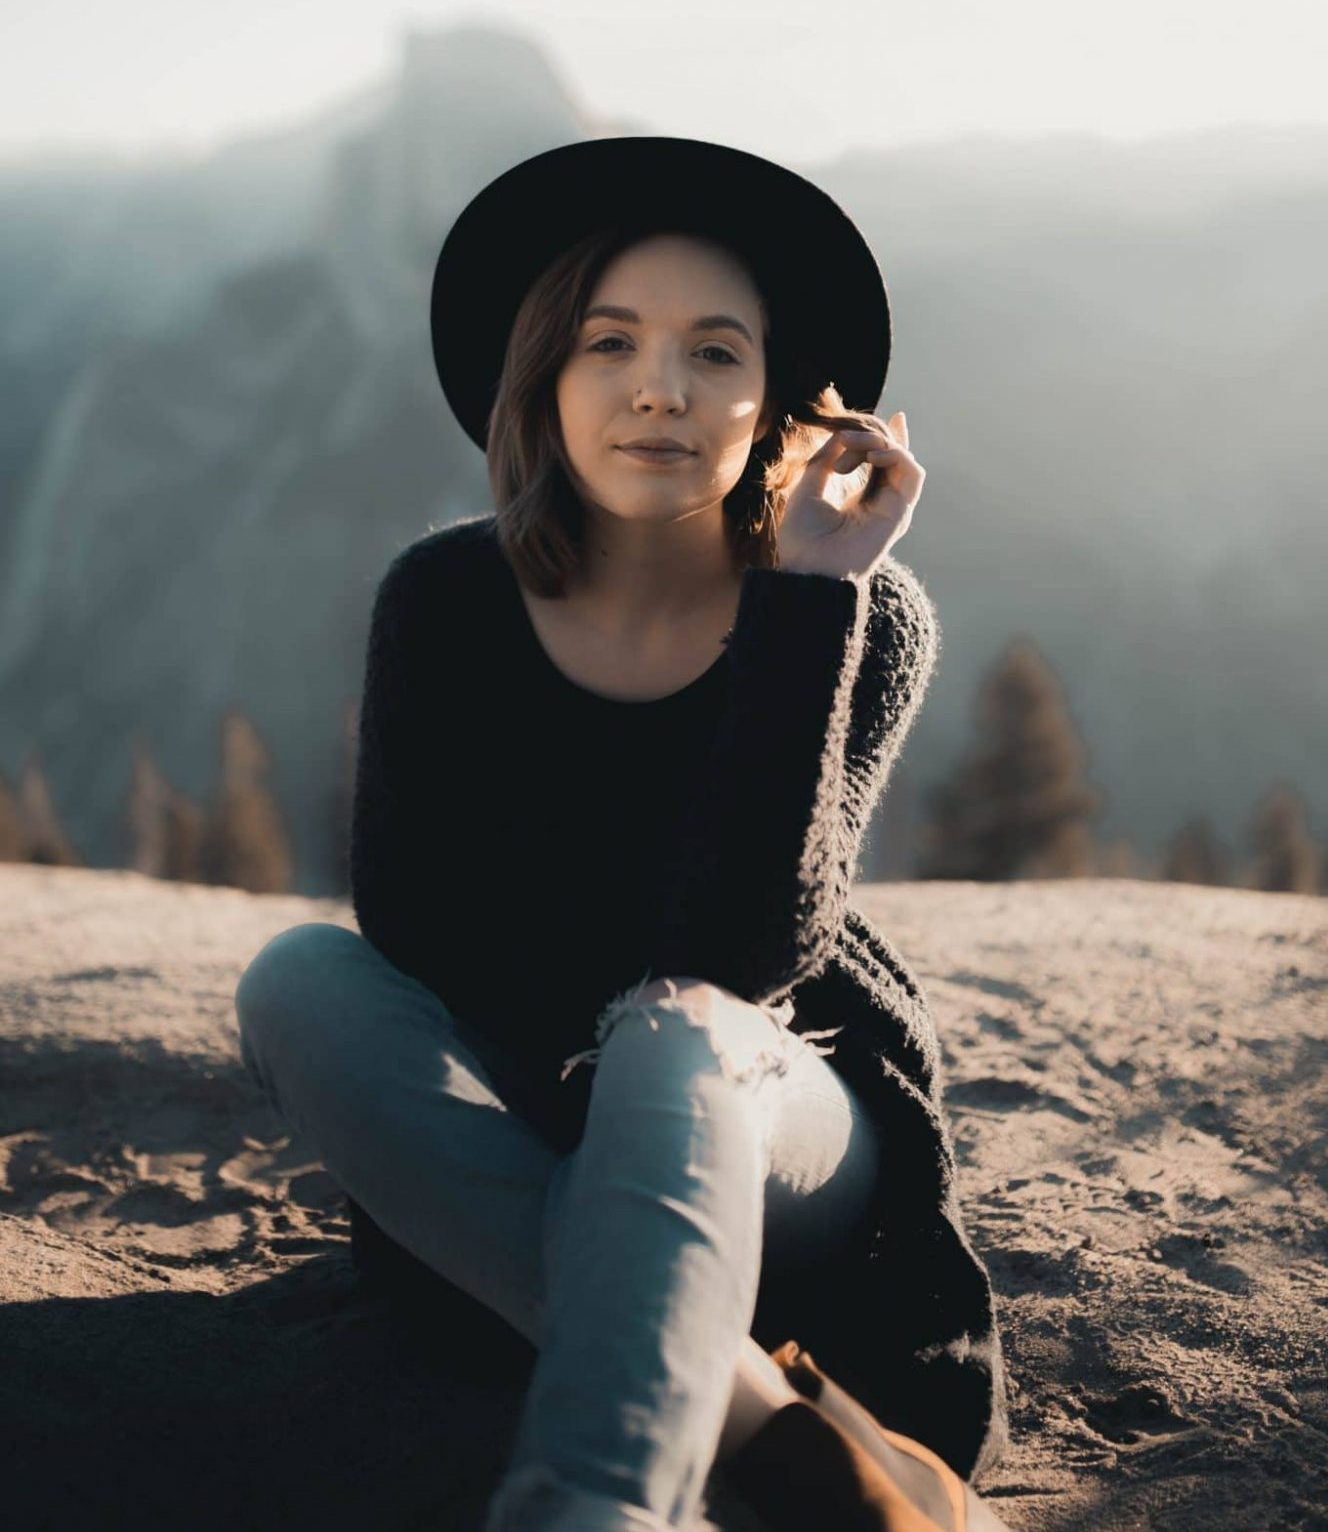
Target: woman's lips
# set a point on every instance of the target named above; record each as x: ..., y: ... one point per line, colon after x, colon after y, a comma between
x: 655, y: 456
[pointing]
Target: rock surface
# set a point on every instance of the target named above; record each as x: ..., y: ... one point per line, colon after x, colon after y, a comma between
x: 1137, y: 1086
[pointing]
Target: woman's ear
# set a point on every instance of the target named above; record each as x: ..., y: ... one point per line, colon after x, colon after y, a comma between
x: 764, y: 421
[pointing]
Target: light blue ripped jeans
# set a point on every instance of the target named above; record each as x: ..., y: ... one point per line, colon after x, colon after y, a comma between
x: 715, y: 1139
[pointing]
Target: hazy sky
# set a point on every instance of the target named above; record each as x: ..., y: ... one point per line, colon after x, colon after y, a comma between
x: 802, y: 80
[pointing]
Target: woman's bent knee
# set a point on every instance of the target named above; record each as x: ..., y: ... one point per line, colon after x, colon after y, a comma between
x: 279, y: 988
x: 705, y: 1029
x: 290, y: 963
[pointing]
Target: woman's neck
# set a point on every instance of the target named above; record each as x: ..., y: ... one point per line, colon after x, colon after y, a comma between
x: 638, y: 576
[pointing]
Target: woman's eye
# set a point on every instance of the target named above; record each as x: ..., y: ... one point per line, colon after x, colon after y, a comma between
x: 727, y: 357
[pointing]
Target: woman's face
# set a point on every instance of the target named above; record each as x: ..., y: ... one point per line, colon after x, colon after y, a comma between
x: 648, y: 369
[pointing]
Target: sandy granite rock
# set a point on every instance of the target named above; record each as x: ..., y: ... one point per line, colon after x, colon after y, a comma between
x: 1136, y: 1079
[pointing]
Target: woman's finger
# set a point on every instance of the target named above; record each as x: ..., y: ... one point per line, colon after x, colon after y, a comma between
x: 842, y: 452
x: 862, y: 442
x: 878, y: 457
x: 853, y: 457
x: 864, y: 437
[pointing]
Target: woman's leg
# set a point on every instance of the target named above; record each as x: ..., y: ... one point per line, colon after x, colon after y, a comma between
x: 370, y: 1067
x: 712, y: 1132
x: 390, y: 1089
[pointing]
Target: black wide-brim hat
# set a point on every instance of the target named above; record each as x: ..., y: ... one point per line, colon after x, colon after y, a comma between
x: 829, y: 309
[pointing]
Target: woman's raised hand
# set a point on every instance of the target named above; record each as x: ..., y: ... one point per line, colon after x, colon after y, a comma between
x: 818, y: 537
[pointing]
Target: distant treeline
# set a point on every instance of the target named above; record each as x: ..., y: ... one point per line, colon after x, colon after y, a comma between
x: 1017, y: 806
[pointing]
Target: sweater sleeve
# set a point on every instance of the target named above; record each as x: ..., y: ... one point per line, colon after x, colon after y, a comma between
x: 393, y: 888
x: 826, y: 677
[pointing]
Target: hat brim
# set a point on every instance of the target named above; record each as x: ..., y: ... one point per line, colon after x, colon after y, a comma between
x: 829, y: 307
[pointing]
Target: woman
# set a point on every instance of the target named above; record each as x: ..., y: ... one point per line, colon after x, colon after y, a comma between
x: 656, y: 695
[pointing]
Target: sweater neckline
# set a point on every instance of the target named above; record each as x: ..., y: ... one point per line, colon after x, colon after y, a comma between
x: 544, y: 660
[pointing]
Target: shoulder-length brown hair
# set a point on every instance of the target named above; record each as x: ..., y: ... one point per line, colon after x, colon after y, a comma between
x: 539, y: 516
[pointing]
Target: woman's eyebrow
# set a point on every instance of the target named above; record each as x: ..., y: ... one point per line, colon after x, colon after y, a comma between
x: 705, y: 322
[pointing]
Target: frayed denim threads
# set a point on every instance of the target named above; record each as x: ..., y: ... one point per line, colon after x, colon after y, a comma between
x: 776, y: 1058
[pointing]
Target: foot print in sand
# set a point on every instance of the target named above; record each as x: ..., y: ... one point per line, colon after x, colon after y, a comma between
x: 1137, y: 1417
x: 1193, y: 1254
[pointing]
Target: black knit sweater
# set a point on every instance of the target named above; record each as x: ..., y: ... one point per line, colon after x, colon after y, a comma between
x: 527, y: 849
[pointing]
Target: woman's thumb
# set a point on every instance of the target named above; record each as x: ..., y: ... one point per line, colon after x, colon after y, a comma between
x: 819, y: 467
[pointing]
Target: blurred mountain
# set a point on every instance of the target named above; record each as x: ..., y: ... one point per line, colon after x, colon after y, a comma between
x: 222, y: 420
x: 216, y: 493
x: 1113, y: 362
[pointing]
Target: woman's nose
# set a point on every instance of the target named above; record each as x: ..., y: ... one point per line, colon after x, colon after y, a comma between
x: 658, y: 387
x: 658, y: 399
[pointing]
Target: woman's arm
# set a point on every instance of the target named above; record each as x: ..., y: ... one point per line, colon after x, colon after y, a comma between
x: 826, y: 677
x: 900, y: 653
x: 394, y: 886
